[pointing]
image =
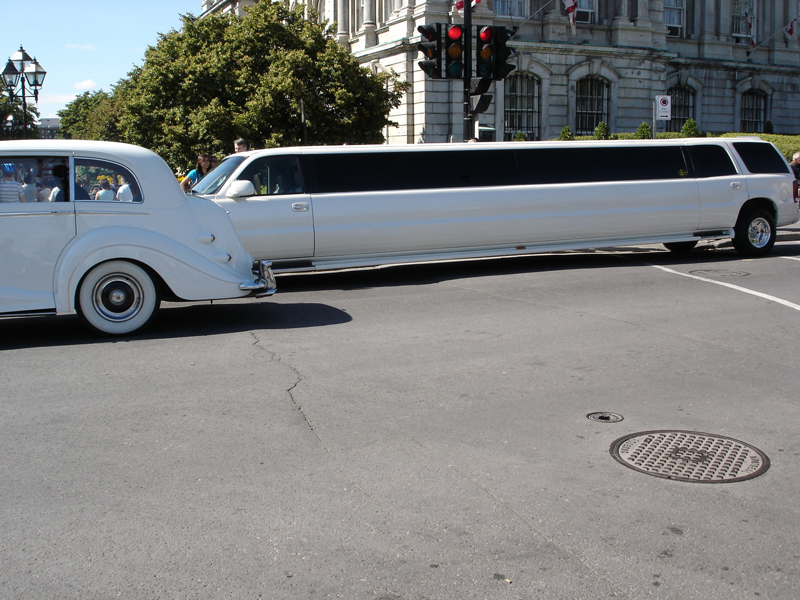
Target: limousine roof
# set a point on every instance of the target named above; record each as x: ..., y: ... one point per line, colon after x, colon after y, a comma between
x: 489, y: 145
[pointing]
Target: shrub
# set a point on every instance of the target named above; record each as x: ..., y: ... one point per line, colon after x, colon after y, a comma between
x: 601, y: 132
x: 690, y: 129
x: 566, y: 134
x: 644, y: 132
x: 520, y: 137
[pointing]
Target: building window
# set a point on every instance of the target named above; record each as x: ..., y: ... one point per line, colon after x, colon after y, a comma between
x: 674, y: 17
x: 586, y: 11
x: 511, y: 8
x: 741, y: 9
x: 682, y: 106
x: 522, y: 101
x: 591, y: 104
x: 754, y: 111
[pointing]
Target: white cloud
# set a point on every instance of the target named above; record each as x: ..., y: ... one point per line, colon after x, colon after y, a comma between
x: 87, y: 84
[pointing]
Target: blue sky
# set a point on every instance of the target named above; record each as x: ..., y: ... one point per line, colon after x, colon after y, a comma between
x: 85, y: 44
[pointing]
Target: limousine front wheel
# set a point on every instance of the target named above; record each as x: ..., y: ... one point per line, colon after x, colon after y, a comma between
x: 117, y: 297
x: 754, y: 233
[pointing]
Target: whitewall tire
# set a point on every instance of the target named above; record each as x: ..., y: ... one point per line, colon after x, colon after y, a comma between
x: 117, y: 297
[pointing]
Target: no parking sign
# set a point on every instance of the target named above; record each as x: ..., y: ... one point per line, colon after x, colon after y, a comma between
x: 663, y: 108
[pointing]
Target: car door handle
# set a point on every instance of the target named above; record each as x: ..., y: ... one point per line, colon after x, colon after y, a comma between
x: 300, y: 206
x: 736, y: 185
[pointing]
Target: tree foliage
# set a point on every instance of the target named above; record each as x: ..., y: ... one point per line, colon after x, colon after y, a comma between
x: 224, y: 77
x: 566, y: 134
x: 690, y: 129
x: 91, y: 116
x: 13, y: 129
x: 601, y: 132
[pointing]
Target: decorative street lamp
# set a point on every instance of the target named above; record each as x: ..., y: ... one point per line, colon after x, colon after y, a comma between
x: 21, y: 68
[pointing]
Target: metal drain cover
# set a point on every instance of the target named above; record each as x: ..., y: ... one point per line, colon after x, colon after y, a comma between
x: 690, y: 456
x: 604, y: 417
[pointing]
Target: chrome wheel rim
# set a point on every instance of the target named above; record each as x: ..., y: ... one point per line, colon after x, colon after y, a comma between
x: 117, y: 297
x: 759, y: 232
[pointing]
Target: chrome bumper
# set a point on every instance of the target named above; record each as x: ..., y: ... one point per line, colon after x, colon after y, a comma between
x: 264, y: 284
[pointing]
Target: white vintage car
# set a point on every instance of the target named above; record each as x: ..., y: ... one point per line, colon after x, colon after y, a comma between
x: 104, y: 229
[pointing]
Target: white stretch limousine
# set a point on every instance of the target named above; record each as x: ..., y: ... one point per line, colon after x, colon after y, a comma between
x: 347, y: 206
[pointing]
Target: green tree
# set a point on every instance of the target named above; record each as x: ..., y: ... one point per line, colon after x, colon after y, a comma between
x: 519, y: 137
x: 644, y: 132
x: 224, y: 77
x: 12, y: 129
x: 601, y: 132
x: 90, y: 116
x: 566, y: 134
x: 690, y: 129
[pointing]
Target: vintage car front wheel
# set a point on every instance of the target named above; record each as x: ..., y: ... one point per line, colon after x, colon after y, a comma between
x: 117, y: 297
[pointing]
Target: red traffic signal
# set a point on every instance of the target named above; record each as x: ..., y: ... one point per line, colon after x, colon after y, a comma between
x: 454, y: 52
x: 484, y: 51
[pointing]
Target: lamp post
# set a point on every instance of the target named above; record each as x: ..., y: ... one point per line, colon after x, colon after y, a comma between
x: 21, y: 68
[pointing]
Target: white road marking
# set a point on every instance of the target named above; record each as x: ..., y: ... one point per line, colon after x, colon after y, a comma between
x: 791, y: 257
x: 733, y: 287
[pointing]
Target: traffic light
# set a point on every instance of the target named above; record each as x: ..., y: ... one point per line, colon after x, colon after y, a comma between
x: 479, y: 100
x: 502, y: 52
x: 431, y: 50
x: 484, y: 51
x: 454, y: 52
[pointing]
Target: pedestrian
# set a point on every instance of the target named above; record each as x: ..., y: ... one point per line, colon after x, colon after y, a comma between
x: 10, y: 188
x: 213, y: 160
x: 29, y: 188
x: 105, y: 194
x: 196, y: 174
x: 240, y: 145
x: 796, y: 165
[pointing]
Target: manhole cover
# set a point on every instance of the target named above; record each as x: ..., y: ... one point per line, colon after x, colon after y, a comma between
x: 604, y: 417
x: 719, y: 273
x: 690, y: 456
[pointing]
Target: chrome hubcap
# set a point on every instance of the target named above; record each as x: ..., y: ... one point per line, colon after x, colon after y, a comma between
x: 117, y: 297
x: 759, y: 232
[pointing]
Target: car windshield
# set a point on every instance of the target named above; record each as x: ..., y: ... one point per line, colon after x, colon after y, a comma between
x: 211, y: 183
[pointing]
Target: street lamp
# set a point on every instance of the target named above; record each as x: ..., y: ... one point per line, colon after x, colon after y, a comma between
x: 21, y: 68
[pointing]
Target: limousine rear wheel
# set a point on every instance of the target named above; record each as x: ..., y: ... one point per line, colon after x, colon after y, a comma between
x: 117, y: 297
x: 755, y: 233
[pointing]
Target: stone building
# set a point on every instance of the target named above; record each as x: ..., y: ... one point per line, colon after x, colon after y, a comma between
x: 730, y: 64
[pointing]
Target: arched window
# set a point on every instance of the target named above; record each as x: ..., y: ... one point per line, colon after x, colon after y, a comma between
x: 591, y: 104
x: 754, y: 111
x: 522, y: 102
x: 682, y: 106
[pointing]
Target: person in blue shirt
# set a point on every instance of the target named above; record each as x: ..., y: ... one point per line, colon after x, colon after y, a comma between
x: 196, y: 174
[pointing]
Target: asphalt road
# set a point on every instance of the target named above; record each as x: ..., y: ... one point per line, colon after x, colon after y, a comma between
x: 412, y: 433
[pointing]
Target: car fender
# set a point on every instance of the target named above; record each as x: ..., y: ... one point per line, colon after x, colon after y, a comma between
x: 189, y: 274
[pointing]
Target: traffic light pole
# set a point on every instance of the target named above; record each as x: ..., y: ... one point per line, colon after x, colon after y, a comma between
x: 468, y: 133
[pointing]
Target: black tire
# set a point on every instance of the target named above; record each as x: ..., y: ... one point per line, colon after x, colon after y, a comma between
x: 680, y: 246
x: 117, y: 298
x: 755, y: 233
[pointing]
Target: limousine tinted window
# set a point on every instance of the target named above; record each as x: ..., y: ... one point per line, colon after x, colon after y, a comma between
x: 584, y: 165
x: 711, y: 161
x: 386, y: 171
x: 759, y: 157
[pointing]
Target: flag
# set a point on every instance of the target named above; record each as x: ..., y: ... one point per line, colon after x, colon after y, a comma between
x: 571, y: 5
x: 789, y: 29
x: 750, y: 29
x: 460, y: 4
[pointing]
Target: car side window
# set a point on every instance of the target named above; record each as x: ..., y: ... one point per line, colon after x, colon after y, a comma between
x: 274, y: 175
x: 104, y: 181
x: 34, y: 179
